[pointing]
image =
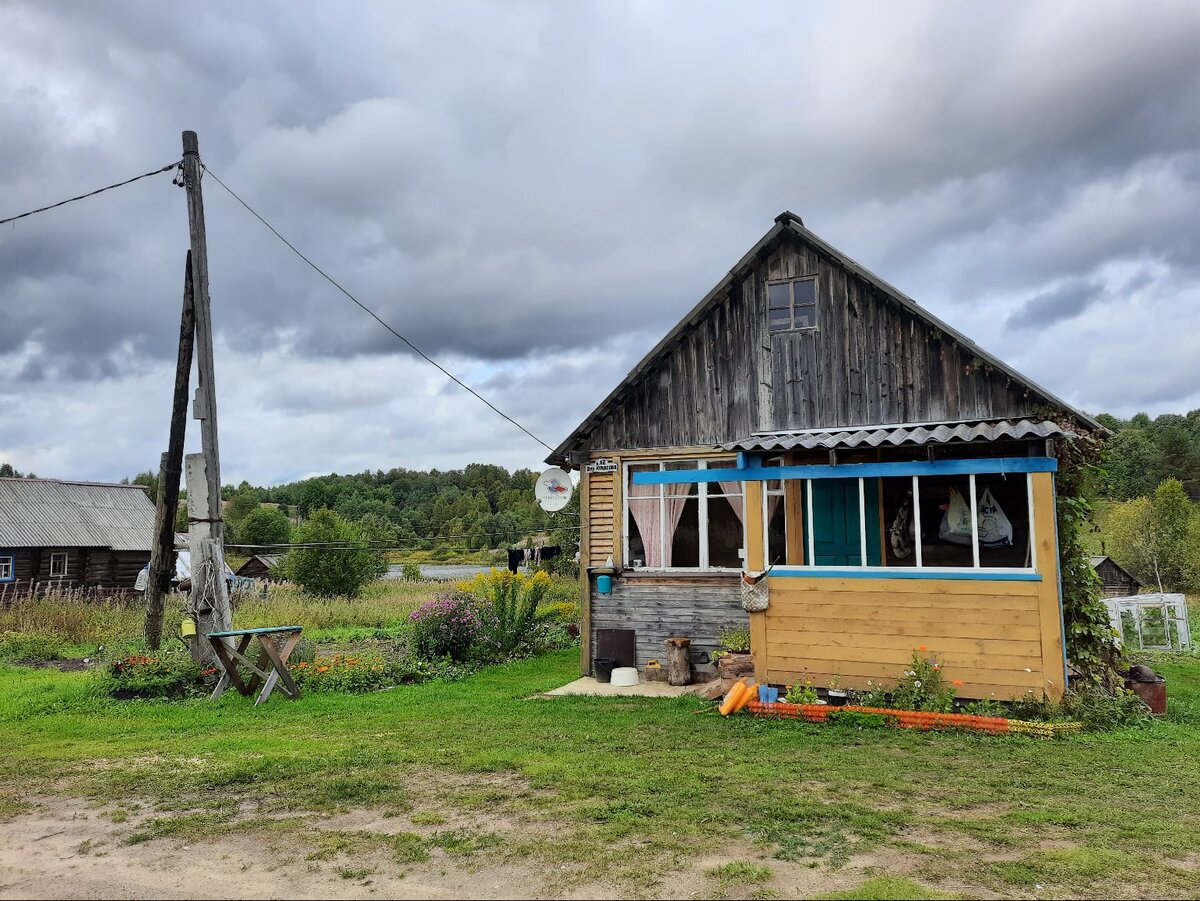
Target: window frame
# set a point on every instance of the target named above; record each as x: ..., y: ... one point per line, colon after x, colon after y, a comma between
x: 55, y: 557
x: 918, y: 568
x: 792, y: 305
x: 9, y: 561
x: 702, y: 514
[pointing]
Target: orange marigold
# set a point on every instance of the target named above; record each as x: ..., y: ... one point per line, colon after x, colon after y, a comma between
x: 322, y: 669
x: 957, y: 682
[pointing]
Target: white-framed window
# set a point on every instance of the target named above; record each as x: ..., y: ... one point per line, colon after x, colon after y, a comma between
x: 8, y: 571
x: 774, y: 516
x: 792, y: 304
x: 686, y: 526
x: 938, y: 523
x: 58, y: 564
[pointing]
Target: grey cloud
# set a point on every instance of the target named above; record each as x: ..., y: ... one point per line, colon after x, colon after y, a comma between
x: 1063, y: 302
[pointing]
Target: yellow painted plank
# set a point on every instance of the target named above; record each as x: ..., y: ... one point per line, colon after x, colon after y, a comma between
x: 896, y: 660
x: 942, y: 647
x: 889, y: 673
x: 965, y: 625
x: 874, y: 605
x: 1045, y: 534
x: 932, y: 587
x: 973, y: 688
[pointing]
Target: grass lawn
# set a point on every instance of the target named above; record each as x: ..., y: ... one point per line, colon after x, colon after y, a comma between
x: 621, y: 792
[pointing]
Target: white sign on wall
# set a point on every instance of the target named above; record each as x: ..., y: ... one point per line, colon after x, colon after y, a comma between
x: 602, y: 465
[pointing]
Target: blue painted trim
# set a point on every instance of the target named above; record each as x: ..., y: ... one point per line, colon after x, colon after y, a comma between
x: 12, y: 567
x: 897, y: 573
x: 850, y: 470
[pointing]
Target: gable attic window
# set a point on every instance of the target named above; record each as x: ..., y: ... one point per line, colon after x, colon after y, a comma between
x: 792, y: 304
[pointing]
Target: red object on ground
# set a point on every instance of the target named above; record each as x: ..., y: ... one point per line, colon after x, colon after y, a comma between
x: 1153, y: 693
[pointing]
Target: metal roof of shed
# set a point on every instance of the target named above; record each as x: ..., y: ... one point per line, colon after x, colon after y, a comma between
x: 896, y: 436
x: 56, y: 513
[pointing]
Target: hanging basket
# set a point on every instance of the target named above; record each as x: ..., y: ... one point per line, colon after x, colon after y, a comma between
x: 756, y: 592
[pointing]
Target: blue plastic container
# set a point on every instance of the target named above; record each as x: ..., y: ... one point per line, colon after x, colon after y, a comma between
x: 767, y: 694
x: 604, y: 584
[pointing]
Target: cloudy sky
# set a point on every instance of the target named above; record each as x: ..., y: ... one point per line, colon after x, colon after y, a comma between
x: 536, y: 192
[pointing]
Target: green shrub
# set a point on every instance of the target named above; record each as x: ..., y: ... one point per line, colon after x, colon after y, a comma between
x: 985, y: 707
x: 447, y: 626
x: 561, y: 612
x: 1100, y: 711
x: 167, y: 675
x: 411, y: 572
x: 22, y: 646
x: 325, y: 572
x: 735, y: 638
x: 857, y: 719
x: 508, y: 612
x: 922, y: 687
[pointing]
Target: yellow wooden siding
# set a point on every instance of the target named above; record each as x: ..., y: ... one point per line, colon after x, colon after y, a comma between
x: 998, y: 638
x: 601, y: 518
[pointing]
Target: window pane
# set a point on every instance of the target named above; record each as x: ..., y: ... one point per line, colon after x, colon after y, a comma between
x: 685, y: 541
x: 1003, y: 510
x: 899, y: 521
x: 643, y: 490
x: 780, y: 319
x: 776, y: 529
x: 725, y: 532
x: 806, y: 317
x: 779, y: 296
x: 644, y: 519
x: 946, y: 521
x: 804, y: 293
x: 685, y: 489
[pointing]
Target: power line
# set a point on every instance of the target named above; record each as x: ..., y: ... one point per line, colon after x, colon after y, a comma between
x: 119, y: 184
x: 373, y: 314
x: 390, y: 544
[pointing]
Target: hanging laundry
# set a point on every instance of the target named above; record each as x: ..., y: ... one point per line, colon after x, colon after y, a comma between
x: 994, y: 528
x: 515, y: 557
x: 901, y: 532
x: 551, y: 551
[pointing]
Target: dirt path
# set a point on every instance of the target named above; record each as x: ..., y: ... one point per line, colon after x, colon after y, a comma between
x: 67, y: 848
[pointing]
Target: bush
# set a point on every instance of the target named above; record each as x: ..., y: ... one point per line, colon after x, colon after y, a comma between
x: 21, y: 646
x: 327, y: 572
x: 508, y: 611
x: 167, y: 675
x: 922, y: 687
x: 1100, y: 711
x: 447, y: 626
x: 411, y: 572
x: 735, y: 639
x: 561, y: 612
x: 264, y: 526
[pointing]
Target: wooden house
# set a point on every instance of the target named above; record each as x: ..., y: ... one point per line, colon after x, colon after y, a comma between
x: 260, y: 566
x: 56, y: 533
x: 807, y: 415
x: 1117, y: 582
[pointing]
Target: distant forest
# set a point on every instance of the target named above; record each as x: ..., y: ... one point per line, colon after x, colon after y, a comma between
x: 477, y: 508
x: 1143, y: 452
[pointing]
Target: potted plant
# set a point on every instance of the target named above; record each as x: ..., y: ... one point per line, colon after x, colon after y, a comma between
x: 834, y: 689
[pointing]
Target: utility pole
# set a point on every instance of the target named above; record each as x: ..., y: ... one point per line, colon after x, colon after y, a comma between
x: 206, y: 525
x: 162, y: 556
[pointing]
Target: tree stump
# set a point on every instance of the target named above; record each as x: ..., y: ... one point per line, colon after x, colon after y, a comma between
x: 679, y: 667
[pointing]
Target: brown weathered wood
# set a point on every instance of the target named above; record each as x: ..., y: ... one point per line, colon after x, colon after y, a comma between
x: 679, y: 667
x: 162, y: 555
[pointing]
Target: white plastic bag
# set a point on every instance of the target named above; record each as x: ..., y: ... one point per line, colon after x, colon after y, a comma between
x: 994, y: 528
x: 956, y: 521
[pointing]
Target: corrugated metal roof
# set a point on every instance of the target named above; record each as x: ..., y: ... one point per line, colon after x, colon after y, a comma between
x: 53, y: 513
x: 895, y: 436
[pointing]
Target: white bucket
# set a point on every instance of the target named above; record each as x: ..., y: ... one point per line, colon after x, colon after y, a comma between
x: 625, y: 676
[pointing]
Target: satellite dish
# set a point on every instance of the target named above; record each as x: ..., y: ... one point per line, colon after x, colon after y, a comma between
x: 553, y: 489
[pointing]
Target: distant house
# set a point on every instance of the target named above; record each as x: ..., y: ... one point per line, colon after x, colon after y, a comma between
x: 1117, y: 582
x: 808, y: 416
x: 260, y: 566
x: 88, y: 535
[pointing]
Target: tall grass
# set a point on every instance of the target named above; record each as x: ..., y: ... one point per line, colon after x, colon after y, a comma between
x: 75, y: 620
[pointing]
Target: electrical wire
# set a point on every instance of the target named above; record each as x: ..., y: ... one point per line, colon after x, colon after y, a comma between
x: 253, y: 212
x: 119, y: 184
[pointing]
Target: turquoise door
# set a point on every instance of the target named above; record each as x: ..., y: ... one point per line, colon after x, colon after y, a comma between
x: 836, y: 537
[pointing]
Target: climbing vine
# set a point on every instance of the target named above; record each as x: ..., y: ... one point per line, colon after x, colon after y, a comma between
x: 1090, y: 646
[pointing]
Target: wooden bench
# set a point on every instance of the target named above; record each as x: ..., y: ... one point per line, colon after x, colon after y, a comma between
x: 271, y: 667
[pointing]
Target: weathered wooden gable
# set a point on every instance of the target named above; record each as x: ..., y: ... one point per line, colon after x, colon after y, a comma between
x: 872, y: 360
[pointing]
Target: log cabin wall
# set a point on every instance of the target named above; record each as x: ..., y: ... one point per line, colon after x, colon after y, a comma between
x: 98, y: 569
x: 870, y: 361
x: 658, y: 606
